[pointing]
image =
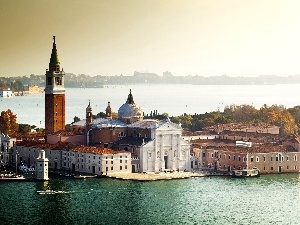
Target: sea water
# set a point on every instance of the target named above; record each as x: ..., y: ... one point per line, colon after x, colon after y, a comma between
x: 269, y: 199
x: 173, y: 99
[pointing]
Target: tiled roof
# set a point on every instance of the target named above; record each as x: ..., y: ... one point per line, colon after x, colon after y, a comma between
x: 68, y: 146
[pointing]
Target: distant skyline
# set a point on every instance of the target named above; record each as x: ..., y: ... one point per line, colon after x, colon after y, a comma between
x: 113, y: 37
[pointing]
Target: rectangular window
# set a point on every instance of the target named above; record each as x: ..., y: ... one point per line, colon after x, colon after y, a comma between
x: 271, y: 158
x: 252, y: 159
x: 125, y: 161
x: 287, y: 158
x: 112, y: 168
x: 295, y: 158
x: 120, y: 167
x: 257, y: 159
x: 239, y: 158
x: 125, y: 167
x: 287, y: 167
x: 112, y: 162
x: 271, y: 167
x: 228, y: 156
x: 264, y: 158
x: 106, y: 169
x: 120, y: 161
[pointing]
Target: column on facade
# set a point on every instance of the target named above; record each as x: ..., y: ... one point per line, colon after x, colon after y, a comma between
x: 179, y: 146
x: 162, y: 150
x: 173, y: 157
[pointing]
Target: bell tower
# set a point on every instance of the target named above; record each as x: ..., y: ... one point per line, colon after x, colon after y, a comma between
x: 88, y: 114
x: 54, y: 95
x: 108, y: 111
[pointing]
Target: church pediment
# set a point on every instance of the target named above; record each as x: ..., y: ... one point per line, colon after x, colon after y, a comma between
x: 169, y: 126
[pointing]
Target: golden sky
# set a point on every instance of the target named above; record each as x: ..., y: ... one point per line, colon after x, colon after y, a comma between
x: 185, y: 37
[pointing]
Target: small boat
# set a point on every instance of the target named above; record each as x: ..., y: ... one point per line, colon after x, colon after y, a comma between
x: 12, y: 177
x: 51, y: 192
x: 84, y: 176
x: 46, y: 192
x: 254, y: 172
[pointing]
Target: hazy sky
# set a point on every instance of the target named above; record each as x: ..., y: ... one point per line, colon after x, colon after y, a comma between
x: 185, y: 37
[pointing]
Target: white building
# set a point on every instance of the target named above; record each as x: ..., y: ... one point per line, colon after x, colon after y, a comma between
x: 41, y: 168
x: 6, y: 144
x: 76, y: 159
x: 154, y: 145
x: 5, y: 92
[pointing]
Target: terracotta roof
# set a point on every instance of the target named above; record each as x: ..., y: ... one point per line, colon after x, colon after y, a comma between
x: 68, y: 146
x: 255, y: 149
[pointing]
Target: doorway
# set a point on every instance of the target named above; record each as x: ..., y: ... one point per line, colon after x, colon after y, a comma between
x: 166, y: 162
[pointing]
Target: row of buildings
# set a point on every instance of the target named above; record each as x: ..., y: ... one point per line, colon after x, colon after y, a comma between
x: 232, y: 149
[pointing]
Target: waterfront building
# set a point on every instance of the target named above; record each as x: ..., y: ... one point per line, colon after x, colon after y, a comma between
x: 228, y: 154
x: 41, y: 168
x: 54, y: 95
x: 6, y: 144
x: 155, y: 145
x: 5, y: 92
x: 75, y: 158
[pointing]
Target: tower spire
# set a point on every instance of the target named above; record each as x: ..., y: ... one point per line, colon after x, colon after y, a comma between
x: 54, y: 64
x: 130, y: 98
x: 54, y: 95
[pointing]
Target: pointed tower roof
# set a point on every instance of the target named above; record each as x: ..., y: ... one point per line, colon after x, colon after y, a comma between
x: 108, y: 108
x: 89, y: 108
x: 130, y: 98
x: 54, y: 61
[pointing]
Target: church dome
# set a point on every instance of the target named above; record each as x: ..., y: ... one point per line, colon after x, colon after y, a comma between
x: 130, y: 109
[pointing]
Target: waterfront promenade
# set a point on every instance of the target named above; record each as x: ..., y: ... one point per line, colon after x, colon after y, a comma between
x: 151, y: 176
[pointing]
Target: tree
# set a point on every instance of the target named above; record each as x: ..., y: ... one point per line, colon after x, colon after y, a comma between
x: 8, y: 122
x: 24, y: 128
x: 68, y: 127
x: 76, y: 119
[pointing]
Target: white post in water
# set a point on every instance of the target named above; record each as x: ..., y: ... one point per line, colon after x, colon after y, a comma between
x: 42, y: 166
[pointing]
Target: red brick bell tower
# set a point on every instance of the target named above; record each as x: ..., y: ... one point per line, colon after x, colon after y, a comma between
x: 54, y: 95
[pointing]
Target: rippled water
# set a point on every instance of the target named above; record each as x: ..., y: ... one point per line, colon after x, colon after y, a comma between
x: 270, y: 199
